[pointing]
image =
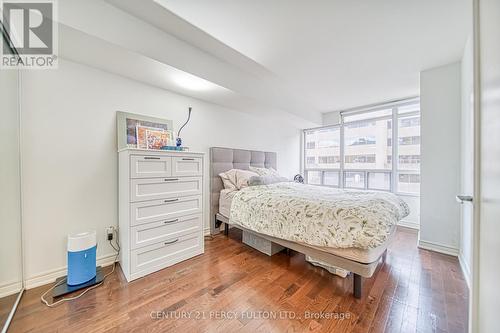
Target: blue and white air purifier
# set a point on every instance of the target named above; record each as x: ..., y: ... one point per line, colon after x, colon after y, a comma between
x: 81, y: 257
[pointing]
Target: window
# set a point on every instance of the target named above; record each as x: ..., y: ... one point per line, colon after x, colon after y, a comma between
x: 331, y: 178
x: 409, y: 140
x: 363, y: 144
x: 409, y: 182
x: 329, y: 159
x: 408, y: 162
x: 379, y: 181
x: 410, y: 122
x: 322, y: 148
x: 359, y: 152
x: 314, y: 177
x: 414, y: 160
x: 354, y: 180
x: 360, y: 159
x: 362, y: 141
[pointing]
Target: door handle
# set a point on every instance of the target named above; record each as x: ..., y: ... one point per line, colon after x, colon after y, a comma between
x: 464, y: 198
x: 151, y: 158
x: 171, y: 200
x: 171, y: 221
x: 171, y: 179
x: 188, y: 159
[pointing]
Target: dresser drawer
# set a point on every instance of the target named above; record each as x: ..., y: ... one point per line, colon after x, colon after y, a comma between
x: 187, y: 166
x: 142, y: 189
x: 158, y: 210
x: 148, y: 166
x: 152, y: 233
x: 160, y: 255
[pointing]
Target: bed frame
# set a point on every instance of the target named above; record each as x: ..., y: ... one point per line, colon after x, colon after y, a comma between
x: 224, y: 159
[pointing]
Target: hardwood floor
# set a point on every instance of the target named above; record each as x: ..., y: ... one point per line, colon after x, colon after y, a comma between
x: 6, y: 304
x: 235, y: 288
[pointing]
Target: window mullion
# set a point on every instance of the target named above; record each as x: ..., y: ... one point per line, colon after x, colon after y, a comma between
x: 341, y: 172
x: 395, y: 142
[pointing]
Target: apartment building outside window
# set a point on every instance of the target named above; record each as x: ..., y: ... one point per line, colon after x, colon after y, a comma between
x: 358, y: 153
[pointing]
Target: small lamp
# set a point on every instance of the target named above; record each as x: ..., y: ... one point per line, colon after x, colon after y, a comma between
x: 298, y: 179
x: 178, y: 141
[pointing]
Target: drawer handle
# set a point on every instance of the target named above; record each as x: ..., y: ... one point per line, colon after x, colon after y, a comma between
x: 188, y: 159
x: 171, y: 200
x: 171, y: 221
x: 151, y: 158
x: 171, y: 179
x: 172, y: 242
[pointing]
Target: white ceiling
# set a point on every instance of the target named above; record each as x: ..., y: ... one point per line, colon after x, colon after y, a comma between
x: 336, y: 54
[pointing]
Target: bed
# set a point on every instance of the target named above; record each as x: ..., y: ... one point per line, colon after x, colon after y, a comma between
x: 362, y: 262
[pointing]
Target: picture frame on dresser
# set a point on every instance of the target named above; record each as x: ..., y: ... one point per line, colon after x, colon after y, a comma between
x: 127, y: 124
x: 161, y: 209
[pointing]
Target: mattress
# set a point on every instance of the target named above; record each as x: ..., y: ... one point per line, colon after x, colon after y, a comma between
x: 226, y: 196
x: 359, y: 255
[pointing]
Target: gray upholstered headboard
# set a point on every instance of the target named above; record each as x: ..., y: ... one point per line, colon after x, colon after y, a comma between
x: 224, y: 159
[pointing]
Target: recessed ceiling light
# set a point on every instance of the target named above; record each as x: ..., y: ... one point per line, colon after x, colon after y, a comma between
x: 192, y: 82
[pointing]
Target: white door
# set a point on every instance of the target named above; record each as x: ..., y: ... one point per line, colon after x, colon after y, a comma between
x: 486, y: 263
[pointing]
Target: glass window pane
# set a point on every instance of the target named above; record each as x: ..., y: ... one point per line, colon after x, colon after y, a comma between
x: 354, y: 179
x: 367, y: 115
x: 379, y: 181
x: 314, y: 177
x: 323, y: 148
x: 409, y: 143
x: 408, y: 183
x: 331, y: 178
x: 368, y: 145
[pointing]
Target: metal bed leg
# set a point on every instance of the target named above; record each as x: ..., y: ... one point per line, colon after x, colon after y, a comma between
x: 357, y: 285
x: 226, y: 229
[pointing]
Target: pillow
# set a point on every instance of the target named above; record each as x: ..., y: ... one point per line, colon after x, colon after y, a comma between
x: 266, y: 180
x: 228, y: 185
x: 265, y: 171
x: 236, y: 179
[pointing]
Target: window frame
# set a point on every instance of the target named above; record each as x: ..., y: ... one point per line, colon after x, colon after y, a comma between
x: 394, y: 171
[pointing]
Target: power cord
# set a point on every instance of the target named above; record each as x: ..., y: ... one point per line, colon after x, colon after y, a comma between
x: 50, y: 305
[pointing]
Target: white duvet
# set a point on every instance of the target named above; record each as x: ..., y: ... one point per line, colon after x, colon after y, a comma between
x: 317, y: 215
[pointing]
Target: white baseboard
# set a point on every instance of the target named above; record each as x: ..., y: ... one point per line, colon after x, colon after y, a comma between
x: 409, y: 224
x: 10, y: 288
x: 445, y: 249
x: 465, y: 269
x: 51, y: 276
x: 206, y: 232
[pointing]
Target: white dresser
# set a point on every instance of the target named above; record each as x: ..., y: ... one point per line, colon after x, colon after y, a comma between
x: 160, y: 209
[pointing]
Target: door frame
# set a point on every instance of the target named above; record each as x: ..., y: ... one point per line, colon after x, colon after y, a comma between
x: 476, y: 220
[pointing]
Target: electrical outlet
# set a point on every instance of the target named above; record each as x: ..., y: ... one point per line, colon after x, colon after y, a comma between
x: 110, y: 232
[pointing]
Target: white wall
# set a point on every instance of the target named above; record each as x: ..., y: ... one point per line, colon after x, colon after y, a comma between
x: 467, y: 158
x: 70, y: 159
x: 10, y: 218
x: 413, y: 219
x: 440, y: 106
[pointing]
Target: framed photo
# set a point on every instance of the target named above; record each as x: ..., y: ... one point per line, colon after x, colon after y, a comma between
x: 129, y: 123
x: 156, y: 139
